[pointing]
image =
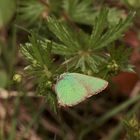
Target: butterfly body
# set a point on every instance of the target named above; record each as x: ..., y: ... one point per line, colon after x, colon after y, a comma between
x: 73, y: 88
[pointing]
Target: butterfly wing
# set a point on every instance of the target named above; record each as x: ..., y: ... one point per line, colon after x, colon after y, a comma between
x: 93, y: 85
x: 74, y: 88
x: 69, y: 91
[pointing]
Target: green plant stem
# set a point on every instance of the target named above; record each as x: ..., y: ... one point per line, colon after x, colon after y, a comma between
x: 12, y: 133
x: 119, y: 128
x: 108, y: 115
x: 118, y: 109
x: 14, y: 120
x: 11, y: 58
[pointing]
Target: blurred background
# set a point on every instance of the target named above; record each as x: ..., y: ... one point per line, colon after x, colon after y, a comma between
x: 111, y: 115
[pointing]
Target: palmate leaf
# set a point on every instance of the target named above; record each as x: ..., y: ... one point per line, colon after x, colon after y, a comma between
x: 83, y: 38
x: 98, y: 28
x: 71, y: 41
x: 41, y: 63
x: 63, y: 33
x: 80, y: 11
x: 112, y: 34
x: 82, y: 50
x: 58, y: 48
x: 115, y: 33
x: 61, y: 49
x: 30, y: 11
x: 36, y: 54
x: 115, y: 15
x: 25, y: 50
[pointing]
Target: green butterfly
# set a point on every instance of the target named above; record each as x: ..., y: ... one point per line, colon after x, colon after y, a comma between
x: 73, y: 88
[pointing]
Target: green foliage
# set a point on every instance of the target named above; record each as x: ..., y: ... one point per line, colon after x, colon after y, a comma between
x: 114, y: 16
x: 79, y: 36
x: 80, y: 11
x: 40, y: 62
x: 7, y: 56
x: 55, y: 7
x: 121, y: 55
x: 84, y: 51
x: 6, y: 15
x: 132, y: 127
x: 89, y: 53
x: 112, y: 34
x: 30, y: 11
x: 116, y: 61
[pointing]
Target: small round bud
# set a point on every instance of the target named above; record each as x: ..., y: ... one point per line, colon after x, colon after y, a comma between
x: 49, y: 84
x: 116, y: 67
x: 89, y: 72
x: 17, y: 78
x: 113, y: 62
x: 113, y: 66
x: 34, y: 63
x: 109, y: 66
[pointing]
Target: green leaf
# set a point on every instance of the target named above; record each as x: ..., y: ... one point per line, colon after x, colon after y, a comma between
x: 80, y: 11
x: 84, y: 50
x: 30, y: 11
x: 37, y: 51
x: 63, y: 33
x: 114, y: 16
x: 98, y: 28
x: 115, y: 32
x: 58, y: 48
